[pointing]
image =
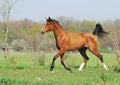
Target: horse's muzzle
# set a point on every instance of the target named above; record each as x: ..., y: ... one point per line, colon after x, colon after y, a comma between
x: 42, y: 32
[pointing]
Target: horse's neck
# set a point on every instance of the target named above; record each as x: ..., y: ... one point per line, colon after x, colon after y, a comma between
x: 58, y: 31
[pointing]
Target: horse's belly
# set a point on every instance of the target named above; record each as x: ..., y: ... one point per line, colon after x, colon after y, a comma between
x: 72, y: 43
x: 76, y: 46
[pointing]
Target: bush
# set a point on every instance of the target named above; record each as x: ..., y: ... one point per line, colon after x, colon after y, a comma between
x: 18, y: 45
x: 117, y: 69
x: 41, y: 59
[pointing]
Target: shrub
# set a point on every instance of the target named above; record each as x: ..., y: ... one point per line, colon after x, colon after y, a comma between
x: 41, y: 59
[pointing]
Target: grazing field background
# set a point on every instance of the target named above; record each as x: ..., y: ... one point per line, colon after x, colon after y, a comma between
x: 23, y: 35
x: 24, y: 69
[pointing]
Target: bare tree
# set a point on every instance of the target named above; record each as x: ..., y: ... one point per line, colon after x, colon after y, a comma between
x: 114, y: 38
x: 114, y: 33
x: 5, y: 11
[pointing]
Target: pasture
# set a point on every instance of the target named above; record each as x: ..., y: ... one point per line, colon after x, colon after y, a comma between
x: 18, y: 69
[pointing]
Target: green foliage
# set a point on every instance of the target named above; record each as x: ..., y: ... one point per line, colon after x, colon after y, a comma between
x: 41, y: 59
x: 117, y: 69
x: 72, y: 27
x: 18, y: 44
x: 21, y: 32
x: 35, y: 29
x: 2, y: 34
x: 87, y: 26
x: 105, y: 51
x: 7, y: 81
x: 50, y: 35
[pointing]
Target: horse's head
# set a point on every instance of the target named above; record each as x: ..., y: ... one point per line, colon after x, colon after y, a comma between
x: 49, y: 26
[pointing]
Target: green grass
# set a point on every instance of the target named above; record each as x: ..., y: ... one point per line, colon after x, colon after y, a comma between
x: 18, y: 69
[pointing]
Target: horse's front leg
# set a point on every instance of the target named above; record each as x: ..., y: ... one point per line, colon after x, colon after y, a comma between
x: 62, y: 62
x: 55, y: 57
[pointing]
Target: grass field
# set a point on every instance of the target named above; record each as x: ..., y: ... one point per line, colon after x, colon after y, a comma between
x: 18, y: 69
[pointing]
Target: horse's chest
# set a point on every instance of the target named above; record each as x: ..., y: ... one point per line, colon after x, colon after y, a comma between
x: 60, y: 44
x: 61, y: 41
x: 58, y: 47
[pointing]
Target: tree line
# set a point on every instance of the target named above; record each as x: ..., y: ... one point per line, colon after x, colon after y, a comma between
x: 25, y: 34
x: 22, y: 35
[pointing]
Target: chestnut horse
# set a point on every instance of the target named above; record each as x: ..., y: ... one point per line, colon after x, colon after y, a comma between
x: 67, y: 41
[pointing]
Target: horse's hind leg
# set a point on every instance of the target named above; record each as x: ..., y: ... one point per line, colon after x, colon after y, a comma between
x: 83, y: 53
x: 95, y: 51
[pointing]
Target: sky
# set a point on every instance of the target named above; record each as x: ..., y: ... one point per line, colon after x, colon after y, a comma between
x: 38, y: 10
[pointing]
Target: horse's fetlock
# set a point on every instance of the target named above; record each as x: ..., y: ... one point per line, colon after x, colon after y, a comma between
x: 87, y: 58
x: 52, y: 66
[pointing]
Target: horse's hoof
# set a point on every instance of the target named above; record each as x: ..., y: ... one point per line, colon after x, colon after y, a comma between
x: 52, y: 71
x: 80, y: 70
x: 69, y: 69
x: 38, y: 79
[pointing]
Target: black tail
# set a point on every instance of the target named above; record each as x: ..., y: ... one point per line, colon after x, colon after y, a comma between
x: 99, y: 31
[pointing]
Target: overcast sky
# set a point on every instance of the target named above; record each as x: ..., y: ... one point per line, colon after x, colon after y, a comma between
x: 37, y: 10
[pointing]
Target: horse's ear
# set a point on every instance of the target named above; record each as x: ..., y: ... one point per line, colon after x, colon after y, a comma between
x: 49, y: 18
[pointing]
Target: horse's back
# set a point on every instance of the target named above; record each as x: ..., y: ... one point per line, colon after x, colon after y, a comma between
x: 79, y: 40
x: 72, y: 41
